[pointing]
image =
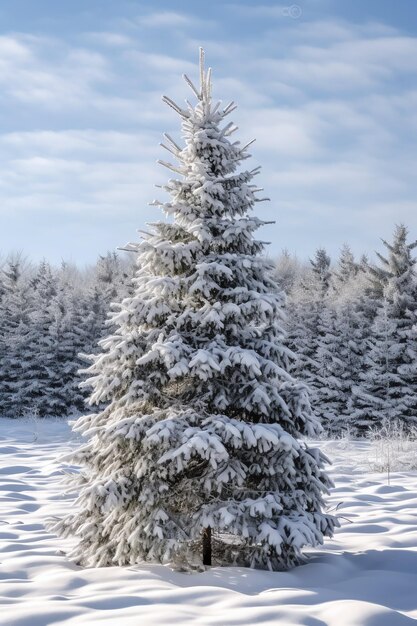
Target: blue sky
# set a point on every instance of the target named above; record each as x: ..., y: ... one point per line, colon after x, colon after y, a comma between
x: 328, y: 88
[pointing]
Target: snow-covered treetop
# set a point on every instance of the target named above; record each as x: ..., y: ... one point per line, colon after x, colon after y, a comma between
x: 397, y: 269
x: 210, y: 201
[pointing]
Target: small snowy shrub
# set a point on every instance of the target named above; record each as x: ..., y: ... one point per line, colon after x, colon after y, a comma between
x: 393, y: 447
x: 203, y: 422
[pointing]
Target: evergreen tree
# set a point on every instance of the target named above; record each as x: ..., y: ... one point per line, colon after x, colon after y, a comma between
x: 308, y: 320
x: 341, y: 358
x: 388, y: 387
x: 342, y: 335
x: 347, y: 268
x: 287, y: 271
x: 203, y: 421
x: 327, y: 370
x: 69, y: 338
x: 37, y: 392
x: 302, y: 318
x: 321, y: 269
x: 112, y: 282
x: 14, y: 328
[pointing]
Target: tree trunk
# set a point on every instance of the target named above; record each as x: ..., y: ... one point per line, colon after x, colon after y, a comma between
x: 207, y: 546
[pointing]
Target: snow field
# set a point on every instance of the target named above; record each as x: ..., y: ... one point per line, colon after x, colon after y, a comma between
x: 365, y: 576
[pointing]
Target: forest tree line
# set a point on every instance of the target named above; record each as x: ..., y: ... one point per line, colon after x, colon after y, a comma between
x: 351, y: 324
x: 51, y: 319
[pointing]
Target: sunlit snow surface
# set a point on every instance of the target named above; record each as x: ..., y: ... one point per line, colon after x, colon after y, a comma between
x: 365, y: 576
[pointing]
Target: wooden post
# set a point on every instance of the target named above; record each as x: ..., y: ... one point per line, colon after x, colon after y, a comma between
x: 207, y: 546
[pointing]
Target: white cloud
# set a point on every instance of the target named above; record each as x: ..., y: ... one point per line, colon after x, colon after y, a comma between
x: 109, y: 39
x: 166, y: 19
x: 80, y: 172
x: 41, y: 71
x: 88, y: 143
x: 161, y: 62
x: 282, y: 132
x: 13, y: 50
x: 359, y: 63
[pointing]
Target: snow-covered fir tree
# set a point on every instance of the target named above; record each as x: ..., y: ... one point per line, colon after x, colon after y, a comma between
x: 69, y: 338
x: 301, y: 326
x: 327, y: 369
x: 347, y: 344
x: 322, y: 382
x: 287, y: 271
x: 346, y: 270
x: 38, y: 393
x: 307, y: 322
x: 203, y: 421
x: 341, y: 342
x: 388, y: 387
x: 112, y: 281
x: 14, y: 328
x: 321, y: 268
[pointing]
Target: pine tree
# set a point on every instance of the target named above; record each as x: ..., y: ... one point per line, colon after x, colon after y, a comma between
x: 307, y: 324
x: 302, y: 326
x: 388, y: 387
x: 328, y: 368
x: 321, y: 269
x: 68, y: 340
x: 199, y: 448
x: 287, y: 271
x: 14, y: 328
x: 347, y: 268
x: 112, y: 281
x: 37, y: 391
x: 341, y: 358
x: 71, y: 329
x: 342, y: 336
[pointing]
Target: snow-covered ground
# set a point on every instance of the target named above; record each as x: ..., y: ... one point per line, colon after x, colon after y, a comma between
x: 366, y: 575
